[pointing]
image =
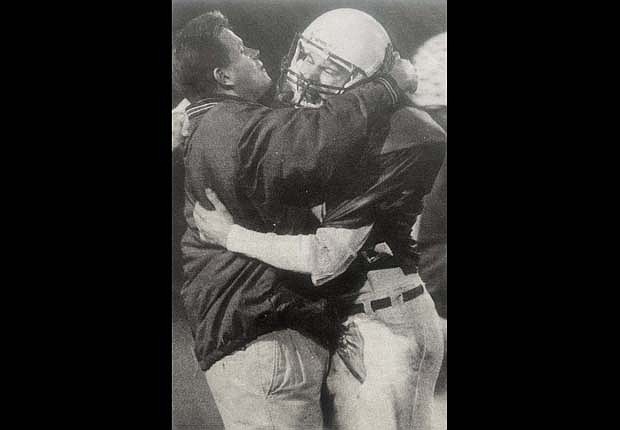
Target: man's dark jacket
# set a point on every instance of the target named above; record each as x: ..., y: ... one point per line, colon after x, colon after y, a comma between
x: 386, y: 187
x: 267, y: 166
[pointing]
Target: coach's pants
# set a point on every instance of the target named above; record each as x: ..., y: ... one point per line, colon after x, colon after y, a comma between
x: 402, y: 354
x: 275, y: 383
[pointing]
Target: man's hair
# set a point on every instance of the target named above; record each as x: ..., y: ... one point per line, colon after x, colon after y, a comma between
x: 197, y: 52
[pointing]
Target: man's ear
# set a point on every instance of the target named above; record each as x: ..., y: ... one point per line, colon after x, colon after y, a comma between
x: 221, y: 77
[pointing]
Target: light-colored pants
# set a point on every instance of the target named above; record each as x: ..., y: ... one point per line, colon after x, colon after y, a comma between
x: 274, y: 383
x: 402, y: 353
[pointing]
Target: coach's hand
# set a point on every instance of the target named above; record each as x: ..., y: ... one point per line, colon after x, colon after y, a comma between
x: 404, y: 74
x: 213, y: 225
x: 180, y: 124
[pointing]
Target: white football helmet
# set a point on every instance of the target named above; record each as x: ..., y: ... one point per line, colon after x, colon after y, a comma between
x: 348, y: 39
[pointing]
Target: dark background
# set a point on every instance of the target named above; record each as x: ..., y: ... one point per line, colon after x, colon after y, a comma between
x: 270, y: 26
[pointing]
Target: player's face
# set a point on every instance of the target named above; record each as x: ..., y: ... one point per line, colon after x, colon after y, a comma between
x: 315, y: 65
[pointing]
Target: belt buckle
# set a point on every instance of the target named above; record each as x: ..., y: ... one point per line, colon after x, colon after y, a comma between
x: 378, y: 252
x: 371, y: 256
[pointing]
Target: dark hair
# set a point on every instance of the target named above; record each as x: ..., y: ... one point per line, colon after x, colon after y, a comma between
x: 197, y: 51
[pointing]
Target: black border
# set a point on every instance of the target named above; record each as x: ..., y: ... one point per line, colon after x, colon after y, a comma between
x: 92, y: 167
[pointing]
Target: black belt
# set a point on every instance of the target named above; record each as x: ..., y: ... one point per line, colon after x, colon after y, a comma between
x: 382, y: 303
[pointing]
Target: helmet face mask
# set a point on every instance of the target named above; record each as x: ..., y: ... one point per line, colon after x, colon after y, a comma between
x: 341, y: 48
x: 311, y: 73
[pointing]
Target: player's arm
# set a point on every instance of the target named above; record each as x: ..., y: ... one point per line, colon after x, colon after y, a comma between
x: 323, y: 255
x: 296, y: 150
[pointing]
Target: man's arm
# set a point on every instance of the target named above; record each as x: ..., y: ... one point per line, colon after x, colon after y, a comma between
x: 289, y: 154
x: 292, y: 153
x: 323, y: 255
x: 318, y: 140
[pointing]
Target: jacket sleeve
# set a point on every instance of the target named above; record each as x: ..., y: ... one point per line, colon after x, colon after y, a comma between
x: 289, y: 154
x: 323, y: 255
x: 395, y: 180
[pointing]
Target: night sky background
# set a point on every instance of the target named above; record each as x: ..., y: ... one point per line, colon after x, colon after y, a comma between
x: 270, y: 26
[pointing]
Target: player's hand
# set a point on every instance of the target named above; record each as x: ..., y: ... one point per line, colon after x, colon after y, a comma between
x: 180, y: 124
x: 404, y: 74
x: 213, y: 225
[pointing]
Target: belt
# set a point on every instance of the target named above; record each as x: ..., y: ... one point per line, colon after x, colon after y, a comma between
x: 375, y: 305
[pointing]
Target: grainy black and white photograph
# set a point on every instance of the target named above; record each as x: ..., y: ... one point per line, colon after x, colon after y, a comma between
x: 309, y: 203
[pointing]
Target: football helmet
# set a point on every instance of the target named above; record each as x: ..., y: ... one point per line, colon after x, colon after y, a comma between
x: 344, y: 42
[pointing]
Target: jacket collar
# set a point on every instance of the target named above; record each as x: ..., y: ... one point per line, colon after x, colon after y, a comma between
x: 205, y: 104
